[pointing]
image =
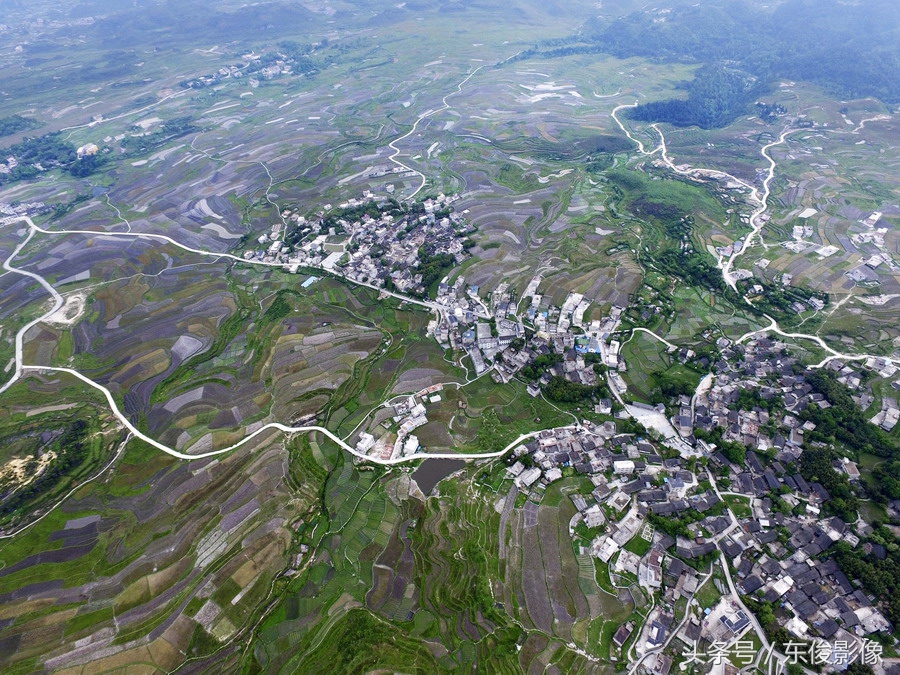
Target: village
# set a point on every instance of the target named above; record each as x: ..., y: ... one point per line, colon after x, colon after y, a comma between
x: 666, y: 519
x: 371, y: 242
x: 289, y: 60
x: 749, y: 530
x: 390, y: 249
x: 714, y: 520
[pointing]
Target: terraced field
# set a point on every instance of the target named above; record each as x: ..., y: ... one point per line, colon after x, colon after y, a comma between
x: 359, y: 520
x: 433, y: 569
x: 551, y: 587
x: 214, y: 360
x: 90, y: 570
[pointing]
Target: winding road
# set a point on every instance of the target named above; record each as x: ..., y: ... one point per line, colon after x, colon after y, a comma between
x: 833, y: 353
x: 58, y: 302
x: 271, y: 425
x: 761, y: 200
x: 445, y: 106
x: 756, y: 222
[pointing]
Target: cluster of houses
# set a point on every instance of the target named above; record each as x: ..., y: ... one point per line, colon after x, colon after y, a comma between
x: 257, y: 67
x: 13, y: 211
x: 502, y: 346
x: 871, y: 243
x: 384, y: 251
x: 781, y: 564
x: 10, y: 164
x: 764, y: 366
x: 460, y: 328
x: 407, y: 414
x: 774, y: 556
x: 778, y: 556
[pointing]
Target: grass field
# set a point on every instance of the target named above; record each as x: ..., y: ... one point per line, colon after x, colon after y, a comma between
x: 740, y: 506
x: 707, y: 595
x: 638, y: 545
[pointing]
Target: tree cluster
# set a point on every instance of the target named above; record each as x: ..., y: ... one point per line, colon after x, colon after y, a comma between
x: 716, y: 96
x: 735, y: 452
x: 880, y: 578
x: 844, y: 421
x: 561, y: 390
x: 677, y: 526
x: 43, y: 153
x: 170, y: 130
x: 433, y: 267
x: 886, y: 486
x: 765, y: 612
x: 778, y: 300
x: 535, y: 369
x: 13, y: 124
x: 816, y: 467
x: 71, y: 448
x: 672, y: 386
x: 694, y: 268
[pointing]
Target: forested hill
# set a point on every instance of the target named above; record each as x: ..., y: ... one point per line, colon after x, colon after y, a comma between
x: 716, y: 95
x: 851, y: 49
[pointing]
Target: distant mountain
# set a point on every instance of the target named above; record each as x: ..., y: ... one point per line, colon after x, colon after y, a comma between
x: 172, y: 21
x: 850, y: 49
